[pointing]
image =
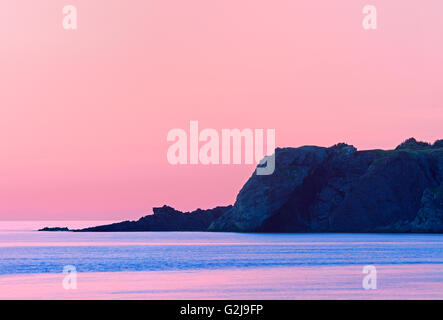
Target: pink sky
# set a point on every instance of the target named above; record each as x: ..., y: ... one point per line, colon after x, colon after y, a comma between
x: 84, y: 114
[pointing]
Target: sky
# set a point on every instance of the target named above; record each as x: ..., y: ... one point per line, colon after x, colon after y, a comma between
x: 84, y: 114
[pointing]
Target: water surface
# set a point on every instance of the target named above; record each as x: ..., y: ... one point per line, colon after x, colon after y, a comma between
x: 218, y: 265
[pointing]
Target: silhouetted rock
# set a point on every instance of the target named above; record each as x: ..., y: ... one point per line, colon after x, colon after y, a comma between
x: 54, y: 229
x: 339, y: 189
x: 413, y: 144
x: 438, y: 144
x: 318, y: 189
x: 264, y: 195
x: 166, y: 219
x: 430, y: 216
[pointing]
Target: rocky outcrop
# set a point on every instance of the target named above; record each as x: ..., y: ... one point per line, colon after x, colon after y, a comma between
x: 263, y: 195
x: 430, y: 216
x: 318, y: 189
x: 166, y: 219
x: 412, y: 144
x: 339, y: 189
x: 54, y: 229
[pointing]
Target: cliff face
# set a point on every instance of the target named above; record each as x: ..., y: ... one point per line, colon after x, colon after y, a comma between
x: 340, y: 189
x: 262, y: 196
x: 430, y: 216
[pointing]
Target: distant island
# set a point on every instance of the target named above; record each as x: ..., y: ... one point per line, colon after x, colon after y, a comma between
x: 319, y: 189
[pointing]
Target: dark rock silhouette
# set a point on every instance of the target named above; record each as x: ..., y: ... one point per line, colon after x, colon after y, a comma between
x: 318, y: 189
x: 340, y: 189
x: 413, y: 144
x: 54, y: 229
x: 430, y: 216
x: 166, y: 219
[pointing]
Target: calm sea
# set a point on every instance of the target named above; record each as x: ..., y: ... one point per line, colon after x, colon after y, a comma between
x: 216, y: 265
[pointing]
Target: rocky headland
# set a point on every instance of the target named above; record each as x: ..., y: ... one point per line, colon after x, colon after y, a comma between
x: 319, y: 189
